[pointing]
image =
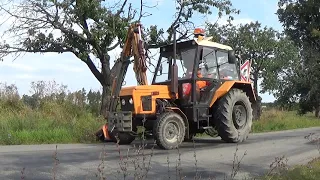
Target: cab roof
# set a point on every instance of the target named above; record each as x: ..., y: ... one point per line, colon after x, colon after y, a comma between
x: 207, y: 42
x: 190, y: 43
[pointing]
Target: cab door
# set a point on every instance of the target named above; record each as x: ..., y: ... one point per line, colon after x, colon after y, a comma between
x: 208, y: 75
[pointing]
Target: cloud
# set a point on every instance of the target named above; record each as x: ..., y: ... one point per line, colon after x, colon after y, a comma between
x: 236, y: 21
x: 63, y: 67
x: 17, y: 66
x: 242, y: 21
x: 26, y: 77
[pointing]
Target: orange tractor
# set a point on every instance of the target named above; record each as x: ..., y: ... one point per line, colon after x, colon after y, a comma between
x: 196, y: 88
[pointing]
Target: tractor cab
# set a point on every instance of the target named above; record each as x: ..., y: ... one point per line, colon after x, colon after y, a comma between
x: 201, y: 64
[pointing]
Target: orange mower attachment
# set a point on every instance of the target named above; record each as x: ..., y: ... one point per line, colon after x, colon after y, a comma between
x: 103, y: 133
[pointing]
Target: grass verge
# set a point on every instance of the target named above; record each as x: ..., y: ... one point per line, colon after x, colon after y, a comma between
x: 51, y: 123
x: 311, y: 171
x: 275, y: 120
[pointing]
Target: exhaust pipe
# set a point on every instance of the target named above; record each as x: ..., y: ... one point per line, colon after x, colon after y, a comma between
x: 174, y: 67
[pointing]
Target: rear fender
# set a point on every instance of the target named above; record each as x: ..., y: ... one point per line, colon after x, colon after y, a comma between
x: 227, y: 85
x: 184, y: 117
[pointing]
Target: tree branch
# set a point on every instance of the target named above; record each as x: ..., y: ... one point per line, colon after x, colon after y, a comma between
x: 155, y: 46
x: 58, y: 25
x: 121, y: 9
x: 94, y: 70
x: 114, y: 46
x: 140, y: 16
x: 89, y: 35
x: 178, y: 17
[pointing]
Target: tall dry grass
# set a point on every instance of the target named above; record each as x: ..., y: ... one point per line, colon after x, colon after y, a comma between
x: 277, y: 120
x: 46, y: 117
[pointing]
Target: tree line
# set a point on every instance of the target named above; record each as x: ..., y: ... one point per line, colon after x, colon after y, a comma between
x: 287, y: 62
x: 50, y: 92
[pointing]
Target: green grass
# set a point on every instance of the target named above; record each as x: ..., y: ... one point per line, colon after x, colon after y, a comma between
x: 275, y: 120
x: 311, y: 171
x: 51, y: 123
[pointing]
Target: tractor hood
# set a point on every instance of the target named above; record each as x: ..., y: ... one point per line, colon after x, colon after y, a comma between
x: 159, y: 91
x: 142, y: 99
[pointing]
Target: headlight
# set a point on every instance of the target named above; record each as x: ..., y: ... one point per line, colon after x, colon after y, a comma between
x: 123, y: 102
x: 130, y: 101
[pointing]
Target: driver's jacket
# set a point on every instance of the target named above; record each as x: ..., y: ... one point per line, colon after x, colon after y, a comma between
x: 200, y: 85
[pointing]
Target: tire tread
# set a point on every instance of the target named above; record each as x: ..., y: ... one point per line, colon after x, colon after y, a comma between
x: 226, y: 128
x: 160, y: 122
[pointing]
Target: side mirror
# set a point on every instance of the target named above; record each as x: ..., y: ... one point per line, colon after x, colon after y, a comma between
x: 232, y: 57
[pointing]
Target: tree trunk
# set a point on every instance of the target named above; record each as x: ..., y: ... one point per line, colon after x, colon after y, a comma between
x: 106, y: 85
x: 256, y: 106
x: 317, y: 111
x: 255, y: 84
x: 105, y: 100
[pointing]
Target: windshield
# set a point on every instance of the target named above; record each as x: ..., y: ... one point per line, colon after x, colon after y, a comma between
x: 209, y: 67
x: 185, y: 62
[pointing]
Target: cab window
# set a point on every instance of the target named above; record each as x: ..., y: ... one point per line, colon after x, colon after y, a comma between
x: 208, y: 63
x: 226, y: 70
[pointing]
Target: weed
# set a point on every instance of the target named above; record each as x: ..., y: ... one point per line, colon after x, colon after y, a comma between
x: 314, y: 139
x: 236, y: 163
x: 195, y: 160
x: 279, y: 165
x: 55, y: 164
x: 178, y: 165
x: 22, y: 173
x: 101, y: 165
x: 168, y: 163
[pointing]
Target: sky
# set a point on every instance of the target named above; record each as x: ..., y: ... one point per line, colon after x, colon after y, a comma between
x: 68, y: 70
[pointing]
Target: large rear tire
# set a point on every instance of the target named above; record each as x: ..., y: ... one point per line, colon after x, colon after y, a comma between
x: 169, y: 130
x: 234, y: 116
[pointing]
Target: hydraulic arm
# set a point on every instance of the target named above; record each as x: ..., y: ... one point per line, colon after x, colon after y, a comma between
x: 133, y: 45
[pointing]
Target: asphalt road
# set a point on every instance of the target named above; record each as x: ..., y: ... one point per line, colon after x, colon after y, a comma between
x: 214, y: 158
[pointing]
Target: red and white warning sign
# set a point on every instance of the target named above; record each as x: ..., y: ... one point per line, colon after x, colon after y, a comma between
x: 245, y: 71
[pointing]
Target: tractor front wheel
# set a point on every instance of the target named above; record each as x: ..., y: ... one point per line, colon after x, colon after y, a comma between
x: 234, y: 116
x: 169, y: 130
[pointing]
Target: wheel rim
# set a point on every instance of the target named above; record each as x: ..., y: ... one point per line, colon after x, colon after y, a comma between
x: 239, y: 115
x: 171, y: 132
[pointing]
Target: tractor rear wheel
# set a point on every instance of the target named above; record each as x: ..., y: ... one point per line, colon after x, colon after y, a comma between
x: 169, y: 130
x: 234, y: 116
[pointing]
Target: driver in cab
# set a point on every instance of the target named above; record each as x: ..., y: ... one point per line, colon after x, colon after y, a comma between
x: 199, y: 84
